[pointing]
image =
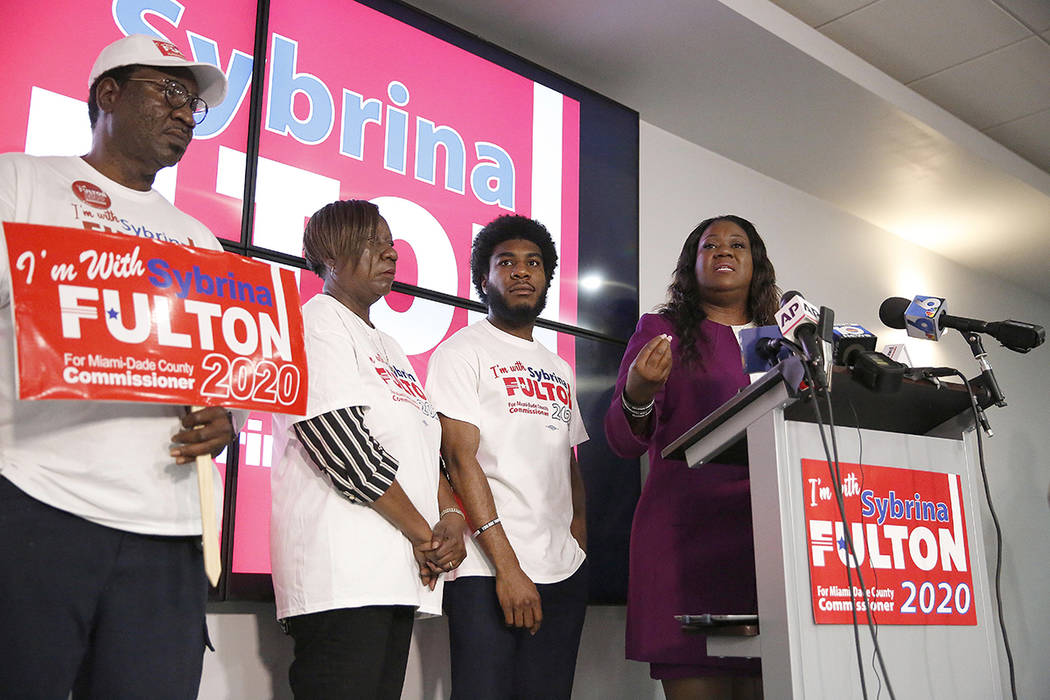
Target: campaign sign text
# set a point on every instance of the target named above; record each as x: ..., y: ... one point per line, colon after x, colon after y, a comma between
x: 909, y: 534
x: 103, y: 316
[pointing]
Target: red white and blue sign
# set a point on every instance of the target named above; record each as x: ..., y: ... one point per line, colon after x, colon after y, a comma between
x: 909, y: 533
x: 103, y: 316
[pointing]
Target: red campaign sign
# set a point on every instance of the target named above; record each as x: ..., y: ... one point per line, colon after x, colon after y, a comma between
x: 103, y: 316
x: 909, y: 534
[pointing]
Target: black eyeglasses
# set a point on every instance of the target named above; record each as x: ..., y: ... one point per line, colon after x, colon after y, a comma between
x: 178, y: 97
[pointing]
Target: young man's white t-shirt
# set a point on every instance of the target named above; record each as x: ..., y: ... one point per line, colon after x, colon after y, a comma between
x: 326, y: 552
x: 522, y: 398
x: 106, y: 462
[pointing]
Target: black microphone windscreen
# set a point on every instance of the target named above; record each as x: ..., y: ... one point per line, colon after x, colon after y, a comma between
x: 787, y: 295
x: 1017, y: 335
x: 892, y: 311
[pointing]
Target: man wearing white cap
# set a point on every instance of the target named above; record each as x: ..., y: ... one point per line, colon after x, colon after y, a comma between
x: 102, y: 586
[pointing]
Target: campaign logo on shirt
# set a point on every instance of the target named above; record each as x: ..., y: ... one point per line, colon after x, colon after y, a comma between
x: 532, y: 391
x: 91, y: 194
x: 404, y: 386
x: 95, y: 214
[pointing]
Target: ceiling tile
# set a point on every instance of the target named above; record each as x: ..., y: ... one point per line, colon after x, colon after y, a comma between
x: 1034, y: 13
x: 998, y: 87
x: 1027, y: 137
x: 817, y: 12
x: 910, y: 39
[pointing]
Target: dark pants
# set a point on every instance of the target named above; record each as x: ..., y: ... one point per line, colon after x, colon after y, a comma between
x: 491, y: 661
x: 351, y: 652
x: 106, y: 613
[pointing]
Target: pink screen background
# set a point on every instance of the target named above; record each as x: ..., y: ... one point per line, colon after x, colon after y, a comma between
x: 343, y: 47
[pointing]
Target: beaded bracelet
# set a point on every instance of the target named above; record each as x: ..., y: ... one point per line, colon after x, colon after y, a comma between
x: 451, y: 509
x: 486, y: 526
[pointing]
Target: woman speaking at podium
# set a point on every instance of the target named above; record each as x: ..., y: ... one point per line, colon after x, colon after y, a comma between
x: 691, y: 542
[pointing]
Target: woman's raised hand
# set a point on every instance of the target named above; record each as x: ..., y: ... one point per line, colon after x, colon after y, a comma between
x: 649, y: 371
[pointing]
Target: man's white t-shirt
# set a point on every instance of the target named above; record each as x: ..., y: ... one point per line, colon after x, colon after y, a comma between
x: 522, y: 398
x: 107, y: 462
x: 328, y: 553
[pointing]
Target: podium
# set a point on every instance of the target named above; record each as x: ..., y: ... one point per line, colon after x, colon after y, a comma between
x: 772, y: 429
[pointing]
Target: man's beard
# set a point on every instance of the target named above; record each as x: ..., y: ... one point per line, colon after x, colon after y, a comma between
x: 519, y: 314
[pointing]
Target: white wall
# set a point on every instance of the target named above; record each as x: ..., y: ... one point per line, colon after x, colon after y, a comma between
x: 834, y: 259
x: 251, y: 654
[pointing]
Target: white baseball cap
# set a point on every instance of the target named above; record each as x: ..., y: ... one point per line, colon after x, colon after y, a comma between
x: 142, y: 50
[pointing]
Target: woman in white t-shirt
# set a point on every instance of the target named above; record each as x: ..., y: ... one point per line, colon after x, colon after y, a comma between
x: 357, y: 481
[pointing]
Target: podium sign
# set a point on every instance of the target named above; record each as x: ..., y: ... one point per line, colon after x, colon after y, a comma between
x: 104, y: 316
x: 910, y: 483
x: 909, y: 534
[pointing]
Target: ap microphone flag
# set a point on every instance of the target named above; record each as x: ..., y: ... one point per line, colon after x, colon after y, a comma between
x: 794, y: 312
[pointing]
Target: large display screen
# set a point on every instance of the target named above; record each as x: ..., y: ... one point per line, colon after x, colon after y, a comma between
x: 49, y: 48
x: 371, y: 101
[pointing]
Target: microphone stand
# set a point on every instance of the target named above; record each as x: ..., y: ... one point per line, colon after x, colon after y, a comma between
x: 973, y: 339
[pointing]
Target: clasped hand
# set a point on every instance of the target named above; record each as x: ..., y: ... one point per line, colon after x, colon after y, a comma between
x: 443, y: 552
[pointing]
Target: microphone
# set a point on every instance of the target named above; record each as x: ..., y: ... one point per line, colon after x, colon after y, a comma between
x: 930, y: 372
x: 795, y: 314
x: 769, y: 349
x: 1014, y: 335
x: 927, y: 317
x: 875, y: 370
x: 853, y: 346
x: 761, y: 348
x: 798, y: 321
x: 849, y: 337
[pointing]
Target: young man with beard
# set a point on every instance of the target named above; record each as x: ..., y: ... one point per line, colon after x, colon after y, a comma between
x: 102, y: 585
x: 509, y: 422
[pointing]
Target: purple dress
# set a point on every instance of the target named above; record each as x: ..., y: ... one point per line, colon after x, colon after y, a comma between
x: 691, y: 543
